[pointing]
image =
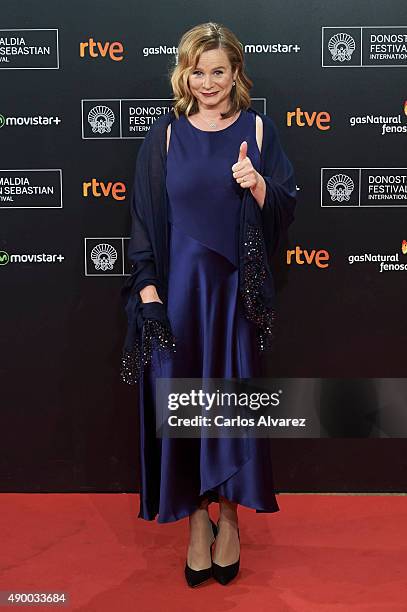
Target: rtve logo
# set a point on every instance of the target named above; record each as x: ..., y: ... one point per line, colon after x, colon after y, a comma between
x: 305, y: 119
x: 94, y: 48
x: 98, y: 188
x: 302, y: 256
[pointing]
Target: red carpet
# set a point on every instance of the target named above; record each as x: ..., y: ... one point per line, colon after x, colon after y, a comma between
x: 320, y: 553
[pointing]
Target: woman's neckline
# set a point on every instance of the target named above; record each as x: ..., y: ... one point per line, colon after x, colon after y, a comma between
x: 214, y: 131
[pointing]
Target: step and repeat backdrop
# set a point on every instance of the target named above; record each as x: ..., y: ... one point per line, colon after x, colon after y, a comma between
x: 80, y: 86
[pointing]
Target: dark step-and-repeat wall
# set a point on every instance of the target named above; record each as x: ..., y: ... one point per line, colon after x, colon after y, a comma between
x: 80, y: 85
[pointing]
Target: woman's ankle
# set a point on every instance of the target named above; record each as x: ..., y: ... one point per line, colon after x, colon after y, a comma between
x: 228, y: 512
x: 199, y: 518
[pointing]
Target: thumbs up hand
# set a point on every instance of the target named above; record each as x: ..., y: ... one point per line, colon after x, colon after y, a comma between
x: 243, y: 170
x: 247, y: 176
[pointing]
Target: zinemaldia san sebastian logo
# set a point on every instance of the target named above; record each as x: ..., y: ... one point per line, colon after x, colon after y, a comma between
x: 33, y: 188
x: 363, y: 187
x: 379, y: 46
x: 383, y: 262
x: 106, y: 256
x: 33, y: 48
x: 121, y: 118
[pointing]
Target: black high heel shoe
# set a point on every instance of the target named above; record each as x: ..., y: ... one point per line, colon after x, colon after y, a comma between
x: 224, y: 574
x: 195, y: 577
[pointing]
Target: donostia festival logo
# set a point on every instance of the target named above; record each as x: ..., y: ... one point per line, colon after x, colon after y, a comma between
x: 101, y: 119
x: 341, y: 47
x: 103, y: 256
x: 363, y: 46
x: 340, y: 187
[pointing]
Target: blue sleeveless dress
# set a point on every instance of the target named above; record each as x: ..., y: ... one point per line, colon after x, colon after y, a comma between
x: 214, y: 338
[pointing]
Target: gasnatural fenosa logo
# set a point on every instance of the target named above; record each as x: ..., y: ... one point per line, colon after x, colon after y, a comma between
x: 390, y: 124
x: 387, y: 262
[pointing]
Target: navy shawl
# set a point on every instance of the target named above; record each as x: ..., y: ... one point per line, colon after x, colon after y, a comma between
x: 261, y: 230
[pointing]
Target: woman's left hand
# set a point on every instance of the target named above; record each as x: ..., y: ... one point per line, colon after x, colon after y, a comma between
x: 247, y: 176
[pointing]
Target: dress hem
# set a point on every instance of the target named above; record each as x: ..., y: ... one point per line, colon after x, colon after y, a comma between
x: 185, y: 514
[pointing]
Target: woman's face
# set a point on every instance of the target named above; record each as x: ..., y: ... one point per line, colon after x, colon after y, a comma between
x: 213, y: 74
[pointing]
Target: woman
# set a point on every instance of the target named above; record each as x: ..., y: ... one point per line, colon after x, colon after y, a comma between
x: 213, y: 193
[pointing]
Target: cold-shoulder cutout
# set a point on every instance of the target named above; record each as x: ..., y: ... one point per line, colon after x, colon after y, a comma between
x: 259, y: 131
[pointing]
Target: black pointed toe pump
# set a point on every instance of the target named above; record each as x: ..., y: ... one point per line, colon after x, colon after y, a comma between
x: 224, y: 574
x: 196, y: 577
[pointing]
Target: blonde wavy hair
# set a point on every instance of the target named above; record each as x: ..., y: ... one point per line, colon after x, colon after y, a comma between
x: 200, y: 38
